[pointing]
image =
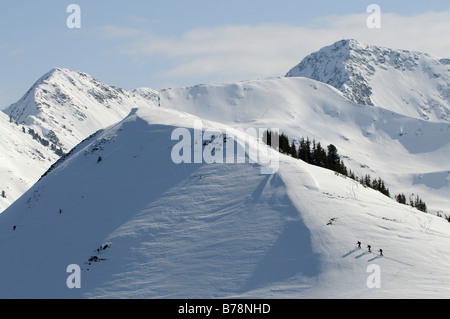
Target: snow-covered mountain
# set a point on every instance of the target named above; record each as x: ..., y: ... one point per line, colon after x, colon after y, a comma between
x: 140, y: 225
x: 65, y: 106
x: 60, y: 110
x: 23, y: 159
x: 410, y: 83
x: 410, y: 154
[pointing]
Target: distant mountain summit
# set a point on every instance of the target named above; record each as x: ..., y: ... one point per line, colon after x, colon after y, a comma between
x: 410, y: 83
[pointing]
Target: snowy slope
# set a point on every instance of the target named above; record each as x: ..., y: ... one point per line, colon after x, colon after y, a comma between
x: 60, y: 110
x: 141, y: 226
x: 65, y: 106
x: 410, y: 154
x: 410, y: 83
x: 22, y: 160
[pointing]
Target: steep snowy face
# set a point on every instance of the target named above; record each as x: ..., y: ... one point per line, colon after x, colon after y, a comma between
x: 22, y: 160
x: 60, y: 110
x: 410, y: 83
x: 64, y: 106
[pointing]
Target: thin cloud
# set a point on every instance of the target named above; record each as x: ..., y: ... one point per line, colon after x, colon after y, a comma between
x: 116, y: 32
x: 137, y: 20
x: 244, y: 51
x: 10, y: 50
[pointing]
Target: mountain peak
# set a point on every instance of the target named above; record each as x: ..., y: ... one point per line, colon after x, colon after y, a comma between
x: 350, y: 43
x: 54, y: 74
x: 408, y: 82
x: 66, y: 106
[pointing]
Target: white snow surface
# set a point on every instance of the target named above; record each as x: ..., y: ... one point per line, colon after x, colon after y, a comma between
x: 141, y: 226
x: 73, y: 105
x: 22, y: 161
x: 63, y: 107
x: 165, y: 230
x: 410, y: 154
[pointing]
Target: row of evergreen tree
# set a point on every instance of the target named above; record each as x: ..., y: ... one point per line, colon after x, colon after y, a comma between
x: 417, y: 202
x: 440, y: 213
x: 377, y: 184
x: 310, y: 152
x: 313, y: 153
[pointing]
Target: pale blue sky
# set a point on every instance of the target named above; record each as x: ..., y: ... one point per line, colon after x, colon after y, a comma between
x: 159, y: 43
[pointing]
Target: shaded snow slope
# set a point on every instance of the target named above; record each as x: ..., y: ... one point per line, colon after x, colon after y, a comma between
x: 141, y: 226
x: 60, y: 110
x: 411, y: 83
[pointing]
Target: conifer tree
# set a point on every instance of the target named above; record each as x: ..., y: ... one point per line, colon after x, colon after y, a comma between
x: 343, y: 169
x: 333, y: 159
x: 284, y: 144
x: 352, y: 175
x: 267, y: 137
x: 420, y: 204
x: 401, y: 198
x: 319, y: 155
x: 366, y: 180
x: 293, y: 150
x: 304, y: 150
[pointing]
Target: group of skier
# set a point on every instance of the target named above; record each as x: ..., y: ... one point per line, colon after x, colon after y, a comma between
x: 369, y: 248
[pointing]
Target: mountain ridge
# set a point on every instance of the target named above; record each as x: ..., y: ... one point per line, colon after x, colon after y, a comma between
x: 59, y: 89
x: 65, y: 106
x: 156, y: 229
x: 141, y: 225
x: 60, y: 109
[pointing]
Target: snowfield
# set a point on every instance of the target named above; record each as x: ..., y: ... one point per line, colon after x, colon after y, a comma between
x: 22, y: 161
x: 140, y: 223
x: 372, y: 139
x: 62, y: 108
x: 210, y: 230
